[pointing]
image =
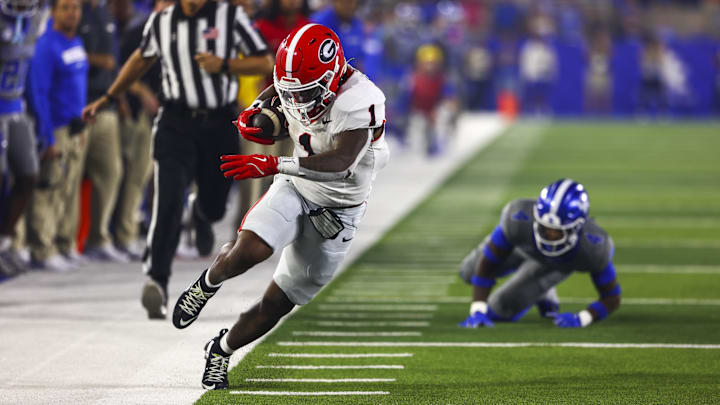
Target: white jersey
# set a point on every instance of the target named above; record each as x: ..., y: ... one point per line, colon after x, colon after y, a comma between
x: 359, y: 104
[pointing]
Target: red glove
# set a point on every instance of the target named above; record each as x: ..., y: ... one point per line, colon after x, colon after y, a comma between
x: 247, y: 130
x: 248, y: 166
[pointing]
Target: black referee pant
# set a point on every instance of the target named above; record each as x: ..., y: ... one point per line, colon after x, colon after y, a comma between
x: 187, y: 147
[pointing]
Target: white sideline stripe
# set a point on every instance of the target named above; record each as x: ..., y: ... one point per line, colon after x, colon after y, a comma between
x: 309, y: 393
x: 440, y: 299
x: 343, y: 367
x: 339, y: 355
x: 320, y: 380
x: 339, y: 333
x: 341, y: 307
x: 419, y: 324
x: 511, y: 344
x: 372, y: 315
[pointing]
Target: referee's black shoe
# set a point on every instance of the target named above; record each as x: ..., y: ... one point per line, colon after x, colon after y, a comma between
x: 204, y: 236
x: 216, y: 364
x: 154, y: 299
x: 191, y: 302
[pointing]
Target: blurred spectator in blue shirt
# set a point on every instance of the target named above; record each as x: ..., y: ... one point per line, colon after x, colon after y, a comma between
x: 58, y: 90
x: 58, y: 77
x: 341, y: 18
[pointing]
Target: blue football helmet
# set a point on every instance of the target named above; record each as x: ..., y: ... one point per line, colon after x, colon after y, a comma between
x: 560, y: 213
x: 19, y: 8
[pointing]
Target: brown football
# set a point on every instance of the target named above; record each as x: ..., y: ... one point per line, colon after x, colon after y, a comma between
x: 271, y: 120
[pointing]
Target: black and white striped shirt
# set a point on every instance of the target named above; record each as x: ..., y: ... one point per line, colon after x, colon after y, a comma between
x: 219, y: 28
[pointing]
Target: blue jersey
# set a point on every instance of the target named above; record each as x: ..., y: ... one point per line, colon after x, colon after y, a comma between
x: 352, y: 34
x: 58, y: 82
x: 17, y: 42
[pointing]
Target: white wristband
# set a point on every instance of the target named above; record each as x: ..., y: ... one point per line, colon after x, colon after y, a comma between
x: 478, y: 306
x: 586, y: 318
x: 289, y: 165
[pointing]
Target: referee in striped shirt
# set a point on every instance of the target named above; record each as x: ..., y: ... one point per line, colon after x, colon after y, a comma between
x: 197, y: 43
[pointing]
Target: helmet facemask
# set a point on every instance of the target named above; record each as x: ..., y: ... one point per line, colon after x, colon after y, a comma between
x: 305, y: 102
x: 551, y: 237
x: 19, y: 8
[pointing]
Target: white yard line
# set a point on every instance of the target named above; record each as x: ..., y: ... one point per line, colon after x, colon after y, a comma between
x: 407, y: 282
x: 669, y: 243
x: 582, y: 345
x: 663, y: 221
x: 373, y: 315
x: 403, y: 278
x: 322, y: 380
x: 341, y: 333
x: 343, y: 292
x: 666, y: 269
x: 648, y: 301
x: 341, y: 367
x: 443, y: 299
x: 378, y: 307
x: 339, y: 355
x: 309, y: 393
x: 419, y: 324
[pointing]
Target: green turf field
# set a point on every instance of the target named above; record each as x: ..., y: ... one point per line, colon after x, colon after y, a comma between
x: 654, y: 188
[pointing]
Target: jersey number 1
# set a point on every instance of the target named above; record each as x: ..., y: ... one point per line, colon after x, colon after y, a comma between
x: 305, y: 142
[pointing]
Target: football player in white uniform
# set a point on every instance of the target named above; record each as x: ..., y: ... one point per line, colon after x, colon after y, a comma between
x: 336, y: 118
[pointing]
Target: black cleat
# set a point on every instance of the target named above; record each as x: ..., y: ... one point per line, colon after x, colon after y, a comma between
x: 216, y: 364
x: 191, y: 302
x: 154, y: 299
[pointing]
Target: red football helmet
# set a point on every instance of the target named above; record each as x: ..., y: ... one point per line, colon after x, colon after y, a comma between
x: 308, y: 68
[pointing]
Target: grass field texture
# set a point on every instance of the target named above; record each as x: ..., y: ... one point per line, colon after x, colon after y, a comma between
x: 654, y: 188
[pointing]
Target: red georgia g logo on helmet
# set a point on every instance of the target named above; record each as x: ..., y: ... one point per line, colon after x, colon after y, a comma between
x: 327, y: 51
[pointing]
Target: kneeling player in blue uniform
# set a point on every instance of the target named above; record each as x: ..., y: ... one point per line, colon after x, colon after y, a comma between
x: 542, y: 242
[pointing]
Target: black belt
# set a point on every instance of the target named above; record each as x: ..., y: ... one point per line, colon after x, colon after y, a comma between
x: 201, y: 113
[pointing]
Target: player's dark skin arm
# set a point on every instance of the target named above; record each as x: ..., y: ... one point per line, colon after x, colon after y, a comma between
x: 612, y: 302
x: 348, y: 145
x: 487, y: 269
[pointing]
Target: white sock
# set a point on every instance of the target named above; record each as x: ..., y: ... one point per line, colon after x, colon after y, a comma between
x: 224, y: 345
x: 207, y: 281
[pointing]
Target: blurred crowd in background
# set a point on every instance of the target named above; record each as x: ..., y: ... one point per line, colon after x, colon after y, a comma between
x: 433, y: 59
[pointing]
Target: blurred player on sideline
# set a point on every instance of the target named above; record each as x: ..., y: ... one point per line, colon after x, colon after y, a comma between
x: 336, y: 118
x: 20, y: 26
x: 542, y: 242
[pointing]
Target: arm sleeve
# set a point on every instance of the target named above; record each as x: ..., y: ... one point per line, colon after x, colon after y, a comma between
x: 149, y: 44
x: 41, y: 73
x: 249, y: 39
